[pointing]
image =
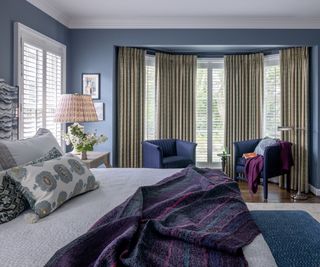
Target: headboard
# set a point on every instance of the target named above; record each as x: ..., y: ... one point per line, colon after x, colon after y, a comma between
x: 9, y: 103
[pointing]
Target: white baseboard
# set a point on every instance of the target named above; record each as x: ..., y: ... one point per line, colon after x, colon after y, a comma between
x: 314, y: 190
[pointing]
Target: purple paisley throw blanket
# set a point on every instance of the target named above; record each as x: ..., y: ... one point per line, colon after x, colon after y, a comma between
x: 193, y: 218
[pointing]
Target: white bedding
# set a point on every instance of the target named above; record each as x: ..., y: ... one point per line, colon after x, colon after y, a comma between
x: 24, y: 244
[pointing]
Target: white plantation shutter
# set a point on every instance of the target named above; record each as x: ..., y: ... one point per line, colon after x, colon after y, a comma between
x: 41, y: 79
x: 150, y: 98
x: 210, y: 101
x: 218, y: 109
x: 272, y: 98
x: 53, y: 92
x: 31, y: 115
x: 202, y: 114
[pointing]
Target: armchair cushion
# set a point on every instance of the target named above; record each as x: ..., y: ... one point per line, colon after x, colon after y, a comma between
x: 168, y: 153
x: 242, y: 147
x: 186, y: 149
x: 176, y: 162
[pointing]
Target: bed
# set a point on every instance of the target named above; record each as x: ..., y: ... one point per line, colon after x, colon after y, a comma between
x: 36, y: 243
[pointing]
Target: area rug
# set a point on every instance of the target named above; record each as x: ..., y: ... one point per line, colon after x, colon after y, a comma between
x: 312, y: 208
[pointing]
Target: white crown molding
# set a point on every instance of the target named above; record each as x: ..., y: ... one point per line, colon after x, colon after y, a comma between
x: 52, y: 11
x: 196, y: 23
x: 314, y: 190
x: 192, y: 22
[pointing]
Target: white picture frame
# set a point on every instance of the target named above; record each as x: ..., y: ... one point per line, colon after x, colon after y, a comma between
x: 91, y: 85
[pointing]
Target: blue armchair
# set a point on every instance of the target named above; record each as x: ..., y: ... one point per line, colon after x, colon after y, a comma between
x: 272, y: 166
x: 168, y: 153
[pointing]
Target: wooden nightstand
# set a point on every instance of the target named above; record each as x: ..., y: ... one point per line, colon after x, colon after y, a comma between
x: 95, y: 159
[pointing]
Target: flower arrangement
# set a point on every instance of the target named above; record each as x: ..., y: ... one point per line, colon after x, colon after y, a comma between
x: 80, y: 140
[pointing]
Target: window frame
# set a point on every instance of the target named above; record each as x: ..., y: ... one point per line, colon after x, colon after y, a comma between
x: 24, y: 34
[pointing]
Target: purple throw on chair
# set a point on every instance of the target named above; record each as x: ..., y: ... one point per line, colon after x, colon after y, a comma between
x: 168, y: 153
x: 276, y: 162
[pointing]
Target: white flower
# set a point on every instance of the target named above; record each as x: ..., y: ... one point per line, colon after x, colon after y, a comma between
x: 81, y: 140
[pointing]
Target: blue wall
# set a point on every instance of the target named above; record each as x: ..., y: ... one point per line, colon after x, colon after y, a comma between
x: 95, y: 51
x: 21, y: 11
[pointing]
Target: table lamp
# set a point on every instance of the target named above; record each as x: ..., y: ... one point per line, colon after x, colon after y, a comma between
x: 75, y: 108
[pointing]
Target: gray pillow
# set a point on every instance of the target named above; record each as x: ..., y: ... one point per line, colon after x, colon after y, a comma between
x: 49, y: 184
x: 265, y: 142
x: 12, y: 201
x: 19, y: 152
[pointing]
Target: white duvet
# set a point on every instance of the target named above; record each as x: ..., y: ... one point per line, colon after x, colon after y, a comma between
x: 24, y: 244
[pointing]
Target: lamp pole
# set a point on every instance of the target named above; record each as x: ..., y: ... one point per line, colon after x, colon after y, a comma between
x: 299, y: 195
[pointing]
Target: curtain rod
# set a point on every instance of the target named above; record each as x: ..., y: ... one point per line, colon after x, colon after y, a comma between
x: 212, y: 55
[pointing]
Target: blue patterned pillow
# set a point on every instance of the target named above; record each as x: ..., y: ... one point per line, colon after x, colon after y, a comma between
x: 47, y: 185
x: 12, y: 201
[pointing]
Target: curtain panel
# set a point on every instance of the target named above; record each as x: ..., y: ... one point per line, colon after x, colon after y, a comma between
x: 175, y: 96
x: 244, y: 93
x: 130, y: 95
x: 294, y: 75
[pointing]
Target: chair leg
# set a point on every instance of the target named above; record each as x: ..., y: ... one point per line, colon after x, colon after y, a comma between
x: 265, y: 189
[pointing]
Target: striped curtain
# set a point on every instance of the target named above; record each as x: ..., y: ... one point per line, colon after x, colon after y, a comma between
x: 175, y: 90
x: 244, y: 92
x: 294, y: 73
x: 131, y: 82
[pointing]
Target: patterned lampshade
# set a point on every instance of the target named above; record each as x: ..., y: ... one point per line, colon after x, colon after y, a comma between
x: 75, y: 108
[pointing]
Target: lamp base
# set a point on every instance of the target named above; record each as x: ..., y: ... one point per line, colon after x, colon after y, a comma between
x: 299, y: 196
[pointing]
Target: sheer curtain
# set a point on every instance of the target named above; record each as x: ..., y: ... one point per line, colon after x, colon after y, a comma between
x: 244, y: 92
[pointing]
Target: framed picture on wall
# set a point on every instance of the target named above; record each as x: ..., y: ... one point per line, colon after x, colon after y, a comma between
x: 99, y: 106
x: 91, y: 85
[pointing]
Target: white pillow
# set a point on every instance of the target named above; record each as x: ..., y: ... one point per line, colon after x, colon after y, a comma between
x: 19, y: 152
x: 263, y: 144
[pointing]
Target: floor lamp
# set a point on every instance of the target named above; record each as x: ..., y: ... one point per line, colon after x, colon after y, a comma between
x: 299, y: 195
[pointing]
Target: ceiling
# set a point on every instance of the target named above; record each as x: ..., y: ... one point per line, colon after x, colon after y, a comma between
x: 183, y: 13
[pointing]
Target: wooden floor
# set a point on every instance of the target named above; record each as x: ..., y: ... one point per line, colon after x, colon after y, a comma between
x: 276, y: 195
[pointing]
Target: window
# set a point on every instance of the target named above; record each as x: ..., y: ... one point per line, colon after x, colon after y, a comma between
x: 210, y: 110
x: 272, y: 100
x: 41, y: 79
x: 150, y: 98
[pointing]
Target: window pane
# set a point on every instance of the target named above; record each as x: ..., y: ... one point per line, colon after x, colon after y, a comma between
x: 150, y: 98
x: 210, y: 111
x: 32, y: 102
x: 41, y: 90
x: 218, y: 102
x: 272, y: 118
x: 202, y: 114
x: 53, y: 92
